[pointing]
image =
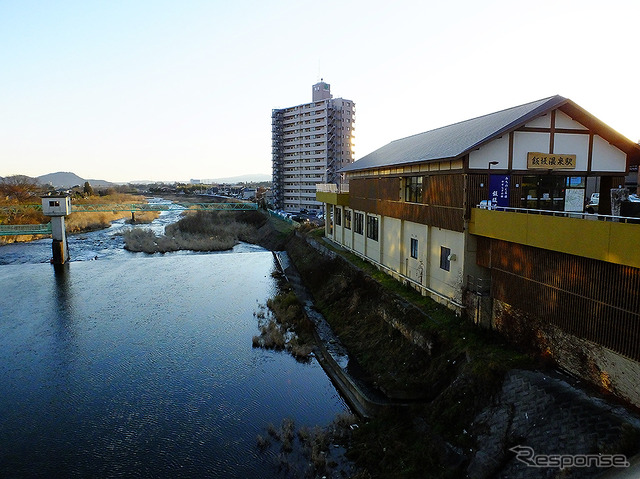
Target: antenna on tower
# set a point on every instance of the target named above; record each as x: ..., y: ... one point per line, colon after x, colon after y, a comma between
x: 319, y: 69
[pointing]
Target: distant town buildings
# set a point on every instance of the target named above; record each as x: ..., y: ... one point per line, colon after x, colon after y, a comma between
x: 311, y: 143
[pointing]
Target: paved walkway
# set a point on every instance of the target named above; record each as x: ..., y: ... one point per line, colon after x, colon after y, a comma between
x: 551, y: 416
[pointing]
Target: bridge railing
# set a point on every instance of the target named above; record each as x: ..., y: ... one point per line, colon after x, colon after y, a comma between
x: 15, y: 230
x: 93, y: 208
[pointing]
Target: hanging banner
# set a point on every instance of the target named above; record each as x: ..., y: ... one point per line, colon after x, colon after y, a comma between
x: 550, y: 161
x: 499, y: 190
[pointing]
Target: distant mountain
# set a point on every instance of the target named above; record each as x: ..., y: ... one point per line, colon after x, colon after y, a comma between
x: 66, y: 179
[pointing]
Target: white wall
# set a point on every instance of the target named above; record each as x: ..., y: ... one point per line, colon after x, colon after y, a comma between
x: 541, y: 122
x: 523, y: 143
x: 391, y: 248
x: 449, y: 283
x: 573, y: 145
x: 565, y: 121
x: 607, y: 157
x: 416, y: 268
x: 496, y: 150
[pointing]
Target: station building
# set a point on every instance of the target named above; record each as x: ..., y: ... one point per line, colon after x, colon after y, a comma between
x: 488, y: 217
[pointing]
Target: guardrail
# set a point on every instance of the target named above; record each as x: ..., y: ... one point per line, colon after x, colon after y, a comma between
x: 332, y: 188
x: 239, y: 206
x: 93, y: 208
x: 563, y: 214
x: 16, y: 230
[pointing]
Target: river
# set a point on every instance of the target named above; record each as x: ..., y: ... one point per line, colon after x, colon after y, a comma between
x: 134, y: 365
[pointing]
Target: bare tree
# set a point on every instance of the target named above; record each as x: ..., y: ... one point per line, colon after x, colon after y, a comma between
x: 19, y: 187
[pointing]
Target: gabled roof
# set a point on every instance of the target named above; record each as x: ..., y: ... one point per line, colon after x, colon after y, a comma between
x: 454, y: 141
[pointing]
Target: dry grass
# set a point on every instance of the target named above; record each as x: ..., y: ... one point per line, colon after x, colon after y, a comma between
x: 75, y: 222
x: 109, y: 199
x: 82, y: 222
x: 272, y: 336
x: 144, y: 217
x: 311, y: 455
x: 198, y: 231
x: 145, y: 240
x: 284, y: 325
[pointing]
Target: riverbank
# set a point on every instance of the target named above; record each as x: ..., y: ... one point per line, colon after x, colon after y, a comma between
x: 466, y: 388
x: 77, y: 223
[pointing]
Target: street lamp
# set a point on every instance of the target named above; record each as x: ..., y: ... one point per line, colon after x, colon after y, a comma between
x: 489, y: 182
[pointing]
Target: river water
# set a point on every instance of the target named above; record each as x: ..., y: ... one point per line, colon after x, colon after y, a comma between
x: 134, y: 365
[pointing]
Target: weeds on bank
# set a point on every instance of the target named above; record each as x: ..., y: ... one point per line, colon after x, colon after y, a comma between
x: 283, y: 325
x: 310, y: 451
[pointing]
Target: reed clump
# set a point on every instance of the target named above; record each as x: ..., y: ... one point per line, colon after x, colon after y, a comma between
x: 198, y: 231
x: 311, y: 451
x: 145, y: 240
x: 284, y: 325
x: 143, y: 217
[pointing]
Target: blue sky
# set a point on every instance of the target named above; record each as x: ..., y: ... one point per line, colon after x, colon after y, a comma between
x: 173, y: 90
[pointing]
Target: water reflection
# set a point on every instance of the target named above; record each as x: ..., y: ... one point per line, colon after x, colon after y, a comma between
x: 62, y: 289
x: 143, y: 366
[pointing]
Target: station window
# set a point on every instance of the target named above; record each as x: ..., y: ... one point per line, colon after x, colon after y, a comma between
x: 347, y: 219
x: 414, y: 248
x: 338, y: 216
x: 358, y: 221
x: 445, y: 255
x: 372, y: 227
x: 413, y: 189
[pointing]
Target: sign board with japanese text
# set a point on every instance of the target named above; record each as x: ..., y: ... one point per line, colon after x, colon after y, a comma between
x: 550, y: 161
x: 499, y: 190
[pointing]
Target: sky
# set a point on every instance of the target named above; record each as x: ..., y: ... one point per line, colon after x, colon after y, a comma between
x: 127, y: 90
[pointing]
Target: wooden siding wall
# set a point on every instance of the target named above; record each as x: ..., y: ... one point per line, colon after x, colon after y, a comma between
x: 442, y: 200
x: 591, y: 299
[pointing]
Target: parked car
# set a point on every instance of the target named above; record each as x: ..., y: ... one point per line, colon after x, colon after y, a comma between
x: 592, y: 205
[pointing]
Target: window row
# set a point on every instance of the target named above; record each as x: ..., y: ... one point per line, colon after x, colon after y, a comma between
x: 372, y: 232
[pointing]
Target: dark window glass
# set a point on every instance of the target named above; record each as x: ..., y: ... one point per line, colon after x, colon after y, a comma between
x: 372, y: 227
x: 358, y: 223
x: 413, y: 189
x: 445, y: 261
x: 414, y: 248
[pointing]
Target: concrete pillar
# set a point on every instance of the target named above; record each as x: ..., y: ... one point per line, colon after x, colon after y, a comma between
x: 59, y: 246
x: 57, y: 207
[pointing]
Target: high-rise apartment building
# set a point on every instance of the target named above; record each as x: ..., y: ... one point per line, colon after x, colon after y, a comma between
x: 311, y: 143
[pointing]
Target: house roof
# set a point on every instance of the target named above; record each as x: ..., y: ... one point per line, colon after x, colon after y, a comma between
x: 454, y: 141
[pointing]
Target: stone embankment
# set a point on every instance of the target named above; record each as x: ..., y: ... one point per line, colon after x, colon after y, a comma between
x: 331, y: 354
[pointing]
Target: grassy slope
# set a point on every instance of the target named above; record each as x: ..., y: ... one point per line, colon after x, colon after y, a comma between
x: 459, y: 378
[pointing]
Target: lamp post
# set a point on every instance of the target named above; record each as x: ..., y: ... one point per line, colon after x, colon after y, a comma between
x: 489, y: 183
